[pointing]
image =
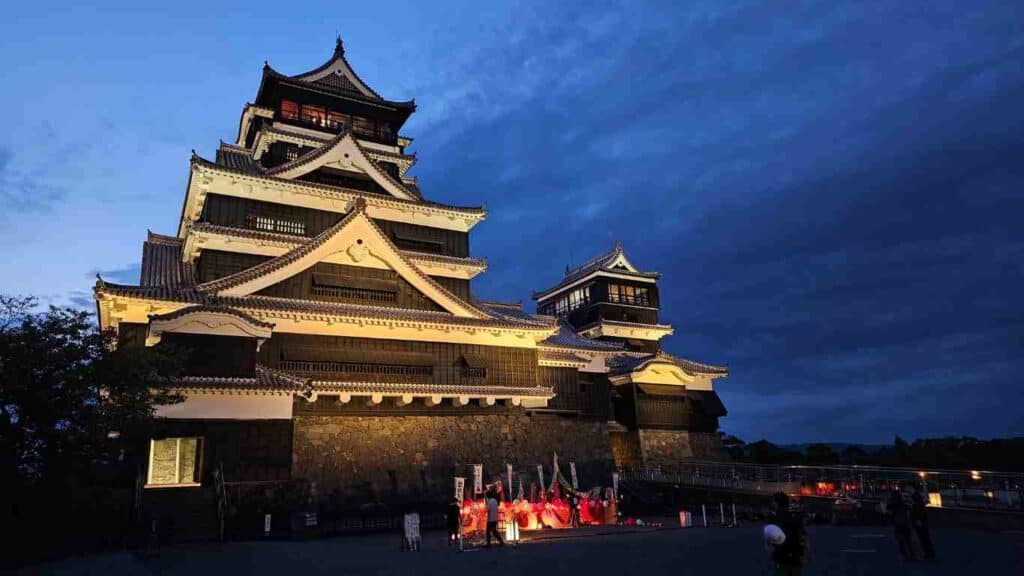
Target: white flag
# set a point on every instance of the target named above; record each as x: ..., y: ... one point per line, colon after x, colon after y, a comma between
x: 555, y: 473
x: 460, y: 488
x: 540, y: 473
x: 572, y: 472
x: 615, y: 484
x: 478, y: 478
x: 508, y: 491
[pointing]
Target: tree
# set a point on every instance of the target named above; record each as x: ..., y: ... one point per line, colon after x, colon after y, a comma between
x: 70, y: 404
x: 821, y: 454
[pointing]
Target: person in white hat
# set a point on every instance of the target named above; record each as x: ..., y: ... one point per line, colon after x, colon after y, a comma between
x: 786, y: 539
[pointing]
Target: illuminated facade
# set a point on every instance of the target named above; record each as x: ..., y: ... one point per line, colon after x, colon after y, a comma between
x: 332, y: 332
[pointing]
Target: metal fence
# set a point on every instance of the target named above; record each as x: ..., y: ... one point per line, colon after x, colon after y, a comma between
x: 962, y: 488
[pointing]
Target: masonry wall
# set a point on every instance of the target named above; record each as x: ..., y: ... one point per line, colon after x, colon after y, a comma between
x: 421, y: 454
x: 667, y: 447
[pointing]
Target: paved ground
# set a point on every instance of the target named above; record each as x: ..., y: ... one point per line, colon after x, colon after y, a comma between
x: 715, y: 551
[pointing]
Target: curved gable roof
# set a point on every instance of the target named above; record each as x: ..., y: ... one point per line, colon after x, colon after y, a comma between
x: 358, y: 236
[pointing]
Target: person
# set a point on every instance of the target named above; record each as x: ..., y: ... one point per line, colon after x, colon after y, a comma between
x: 788, y: 557
x: 901, y: 525
x: 919, y: 520
x: 453, y: 519
x: 574, y: 509
x: 492, y: 519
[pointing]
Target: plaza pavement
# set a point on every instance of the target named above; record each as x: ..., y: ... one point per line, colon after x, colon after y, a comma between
x: 839, y: 551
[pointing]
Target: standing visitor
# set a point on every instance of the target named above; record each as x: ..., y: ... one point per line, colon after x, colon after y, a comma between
x: 453, y: 518
x: 492, y: 519
x: 788, y: 557
x: 919, y: 520
x: 897, y: 510
x: 574, y: 509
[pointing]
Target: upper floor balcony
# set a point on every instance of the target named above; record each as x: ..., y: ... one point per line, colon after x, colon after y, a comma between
x: 324, y: 120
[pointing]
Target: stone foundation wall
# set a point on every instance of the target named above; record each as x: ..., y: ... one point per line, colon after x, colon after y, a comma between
x: 667, y: 447
x: 664, y: 447
x: 420, y: 454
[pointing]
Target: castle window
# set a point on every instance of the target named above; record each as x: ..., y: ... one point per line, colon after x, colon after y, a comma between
x: 569, y: 301
x: 174, y: 462
x: 625, y: 294
x: 315, y: 115
x: 289, y: 110
x: 278, y: 225
x: 341, y: 287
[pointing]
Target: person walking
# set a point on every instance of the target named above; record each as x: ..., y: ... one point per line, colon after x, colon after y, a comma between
x: 492, y: 519
x: 919, y: 520
x: 788, y: 557
x: 900, y: 516
x: 574, y: 509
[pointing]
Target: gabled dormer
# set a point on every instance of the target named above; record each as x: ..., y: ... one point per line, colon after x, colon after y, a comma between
x: 608, y: 298
x: 324, y: 100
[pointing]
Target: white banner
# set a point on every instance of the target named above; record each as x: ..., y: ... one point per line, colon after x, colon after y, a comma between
x: 508, y: 489
x: 460, y: 488
x: 572, y: 472
x: 478, y: 479
x: 554, y: 474
x: 522, y: 495
x: 615, y: 484
x: 540, y: 474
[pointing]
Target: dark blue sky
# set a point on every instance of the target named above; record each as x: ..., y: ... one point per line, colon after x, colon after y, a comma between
x: 833, y: 191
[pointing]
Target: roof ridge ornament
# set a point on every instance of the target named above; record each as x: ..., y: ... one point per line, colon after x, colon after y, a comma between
x: 339, y: 46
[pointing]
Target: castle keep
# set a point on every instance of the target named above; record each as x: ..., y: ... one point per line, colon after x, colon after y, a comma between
x: 327, y: 309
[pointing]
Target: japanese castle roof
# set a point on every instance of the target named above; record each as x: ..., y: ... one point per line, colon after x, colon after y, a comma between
x: 336, y: 77
x: 292, y: 240
x: 613, y: 261
x: 568, y: 338
x: 239, y: 160
x: 627, y: 363
x: 162, y: 263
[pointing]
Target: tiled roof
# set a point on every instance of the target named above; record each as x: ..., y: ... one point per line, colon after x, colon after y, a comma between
x: 276, y: 263
x: 293, y: 240
x: 627, y: 363
x: 211, y: 308
x: 310, y: 307
x: 309, y: 156
x: 510, y: 312
x: 266, y: 380
x: 567, y: 338
x: 595, y: 264
x: 238, y: 159
x: 161, y: 262
x: 299, y: 252
x: 476, y: 210
x: 562, y: 356
x: 325, y: 386
x: 407, y: 106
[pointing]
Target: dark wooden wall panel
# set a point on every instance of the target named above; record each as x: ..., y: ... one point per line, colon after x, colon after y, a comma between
x: 232, y: 211
x: 214, y: 355
x: 504, y: 366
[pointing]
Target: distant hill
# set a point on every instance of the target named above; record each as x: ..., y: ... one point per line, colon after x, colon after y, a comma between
x: 836, y: 447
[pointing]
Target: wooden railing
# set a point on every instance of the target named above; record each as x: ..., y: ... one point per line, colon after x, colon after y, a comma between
x: 357, y: 368
x: 365, y: 294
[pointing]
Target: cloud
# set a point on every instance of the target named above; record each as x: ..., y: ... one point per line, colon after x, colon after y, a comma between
x: 25, y: 192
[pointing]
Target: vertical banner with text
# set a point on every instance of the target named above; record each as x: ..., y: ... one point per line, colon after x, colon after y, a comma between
x: 460, y: 489
x: 478, y: 479
x: 572, y: 473
x: 615, y: 484
x: 508, y: 489
x: 540, y: 474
